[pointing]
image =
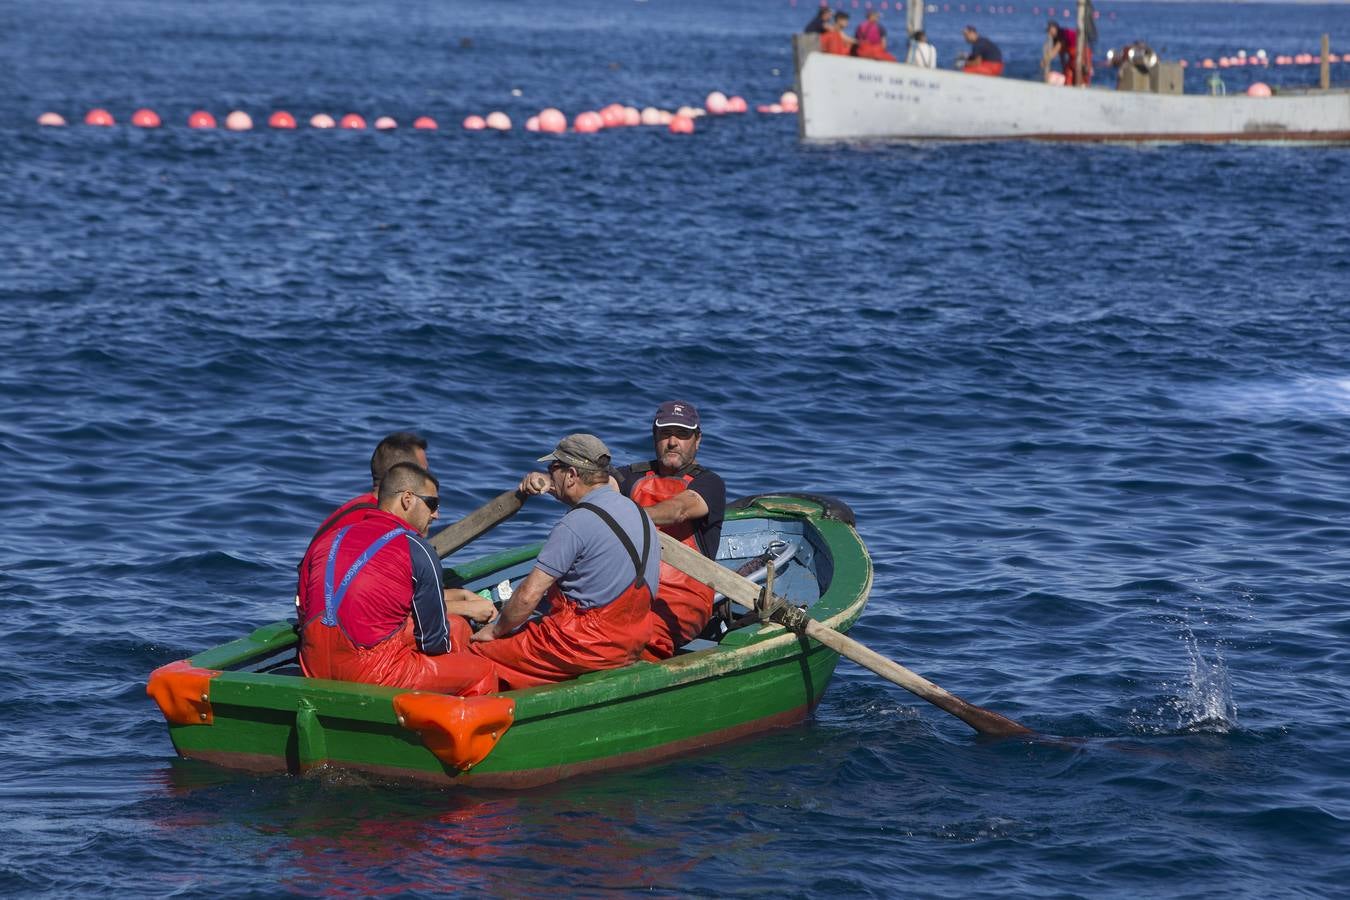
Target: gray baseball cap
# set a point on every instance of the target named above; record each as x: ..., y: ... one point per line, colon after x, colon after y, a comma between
x: 581, y: 451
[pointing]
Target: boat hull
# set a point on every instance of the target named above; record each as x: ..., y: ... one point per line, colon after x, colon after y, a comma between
x: 263, y: 719
x: 845, y: 98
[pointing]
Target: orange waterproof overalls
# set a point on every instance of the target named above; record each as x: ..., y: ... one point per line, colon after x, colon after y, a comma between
x: 569, y: 640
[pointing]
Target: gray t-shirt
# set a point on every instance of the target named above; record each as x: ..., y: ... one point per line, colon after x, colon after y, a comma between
x: 592, y: 566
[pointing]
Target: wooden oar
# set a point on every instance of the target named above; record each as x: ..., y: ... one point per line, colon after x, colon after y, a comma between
x: 480, y: 521
x: 745, y: 592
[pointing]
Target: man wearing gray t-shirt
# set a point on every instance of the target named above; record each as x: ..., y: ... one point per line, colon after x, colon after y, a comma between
x: 595, y: 578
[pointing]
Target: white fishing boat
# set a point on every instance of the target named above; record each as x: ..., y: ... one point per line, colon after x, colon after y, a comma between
x: 848, y: 98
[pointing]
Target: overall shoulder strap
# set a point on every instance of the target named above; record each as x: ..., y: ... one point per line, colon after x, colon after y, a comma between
x: 639, y: 562
x: 333, y: 595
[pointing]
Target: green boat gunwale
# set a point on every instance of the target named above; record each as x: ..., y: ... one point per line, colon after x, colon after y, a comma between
x: 759, y: 647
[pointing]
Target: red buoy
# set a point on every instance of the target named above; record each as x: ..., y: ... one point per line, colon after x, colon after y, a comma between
x: 281, y: 119
x: 99, y: 117
x: 201, y: 119
x: 145, y: 118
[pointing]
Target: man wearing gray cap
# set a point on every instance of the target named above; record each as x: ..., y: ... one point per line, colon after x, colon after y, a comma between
x: 595, y: 575
x: 686, y: 501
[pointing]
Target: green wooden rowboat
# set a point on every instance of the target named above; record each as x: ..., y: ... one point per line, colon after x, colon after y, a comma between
x: 245, y: 705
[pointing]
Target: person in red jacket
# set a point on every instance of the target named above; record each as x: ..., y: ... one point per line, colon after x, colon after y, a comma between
x: 372, y: 606
x: 835, y: 38
x: 686, y: 501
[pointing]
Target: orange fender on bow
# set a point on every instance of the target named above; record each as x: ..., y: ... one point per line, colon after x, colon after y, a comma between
x: 183, y: 692
x: 460, y: 731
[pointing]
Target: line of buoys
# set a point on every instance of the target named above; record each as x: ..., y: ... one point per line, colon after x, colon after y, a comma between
x: 548, y: 121
x: 1261, y: 58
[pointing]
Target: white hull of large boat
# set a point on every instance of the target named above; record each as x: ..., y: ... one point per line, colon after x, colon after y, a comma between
x: 845, y: 98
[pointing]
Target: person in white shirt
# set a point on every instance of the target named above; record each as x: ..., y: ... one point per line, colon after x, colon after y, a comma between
x: 922, y: 53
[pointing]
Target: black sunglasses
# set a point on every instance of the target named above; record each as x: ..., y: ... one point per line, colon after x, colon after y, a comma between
x: 433, y: 503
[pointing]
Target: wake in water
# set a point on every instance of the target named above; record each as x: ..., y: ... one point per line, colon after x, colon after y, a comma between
x: 1307, y: 396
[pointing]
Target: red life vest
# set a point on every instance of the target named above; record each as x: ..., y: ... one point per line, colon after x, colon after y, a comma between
x: 682, y: 605
x: 570, y: 641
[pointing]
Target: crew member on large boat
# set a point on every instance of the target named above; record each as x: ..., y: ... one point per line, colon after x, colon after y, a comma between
x: 597, y: 573
x: 835, y: 38
x: 372, y: 607
x: 686, y: 501
x: 871, y: 36
x: 984, y: 57
x: 1063, y: 43
x: 820, y: 22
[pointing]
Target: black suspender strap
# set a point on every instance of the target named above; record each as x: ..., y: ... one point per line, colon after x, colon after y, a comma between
x: 639, y: 563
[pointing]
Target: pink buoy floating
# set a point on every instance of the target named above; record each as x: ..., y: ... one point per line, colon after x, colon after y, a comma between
x: 532, y: 123
x: 99, y: 118
x: 650, y: 115
x: 588, y: 122
x: 425, y: 123
x: 666, y: 117
x: 716, y: 103
x: 238, y: 121
x: 201, y: 119
x: 352, y: 122
x: 631, y: 116
x: 612, y: 116
x: 789, y: 101
x: 281, y: 119
x: 322, y: 120
x: 51, y: 120
x: 737, y: 104
x: 385, y: 123
x: 1258, y: 89
x: 474, y: 123
x: 498, y: 121
x: 145, y: 118
x: 681, y: 125
x: 552, y: 121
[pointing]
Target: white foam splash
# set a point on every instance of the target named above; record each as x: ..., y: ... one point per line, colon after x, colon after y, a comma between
x: 1207, y: 704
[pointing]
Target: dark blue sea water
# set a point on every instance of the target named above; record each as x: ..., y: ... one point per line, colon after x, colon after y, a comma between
x: 1091, y: 405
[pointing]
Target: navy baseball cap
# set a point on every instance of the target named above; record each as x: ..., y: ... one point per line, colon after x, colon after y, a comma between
x: 678, y: 413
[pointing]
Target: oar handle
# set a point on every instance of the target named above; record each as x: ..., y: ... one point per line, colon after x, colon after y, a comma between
x: 480, y: 521
x: 744, y: 592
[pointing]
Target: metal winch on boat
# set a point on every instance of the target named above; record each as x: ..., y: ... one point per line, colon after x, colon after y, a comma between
x: 1139, y: 69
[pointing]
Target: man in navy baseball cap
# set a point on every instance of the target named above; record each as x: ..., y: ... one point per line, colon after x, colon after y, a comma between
x: 686, y: 501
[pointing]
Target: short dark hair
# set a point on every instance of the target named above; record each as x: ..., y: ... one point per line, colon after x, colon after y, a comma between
x: 399, y: 447
x: 405, y: 476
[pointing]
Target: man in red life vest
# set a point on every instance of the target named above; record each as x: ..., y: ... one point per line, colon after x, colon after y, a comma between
x: 835, y: 38
x: 372, y: 606
x: 399, y: 447
x: 686, y: 501
x: 596, y: 574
